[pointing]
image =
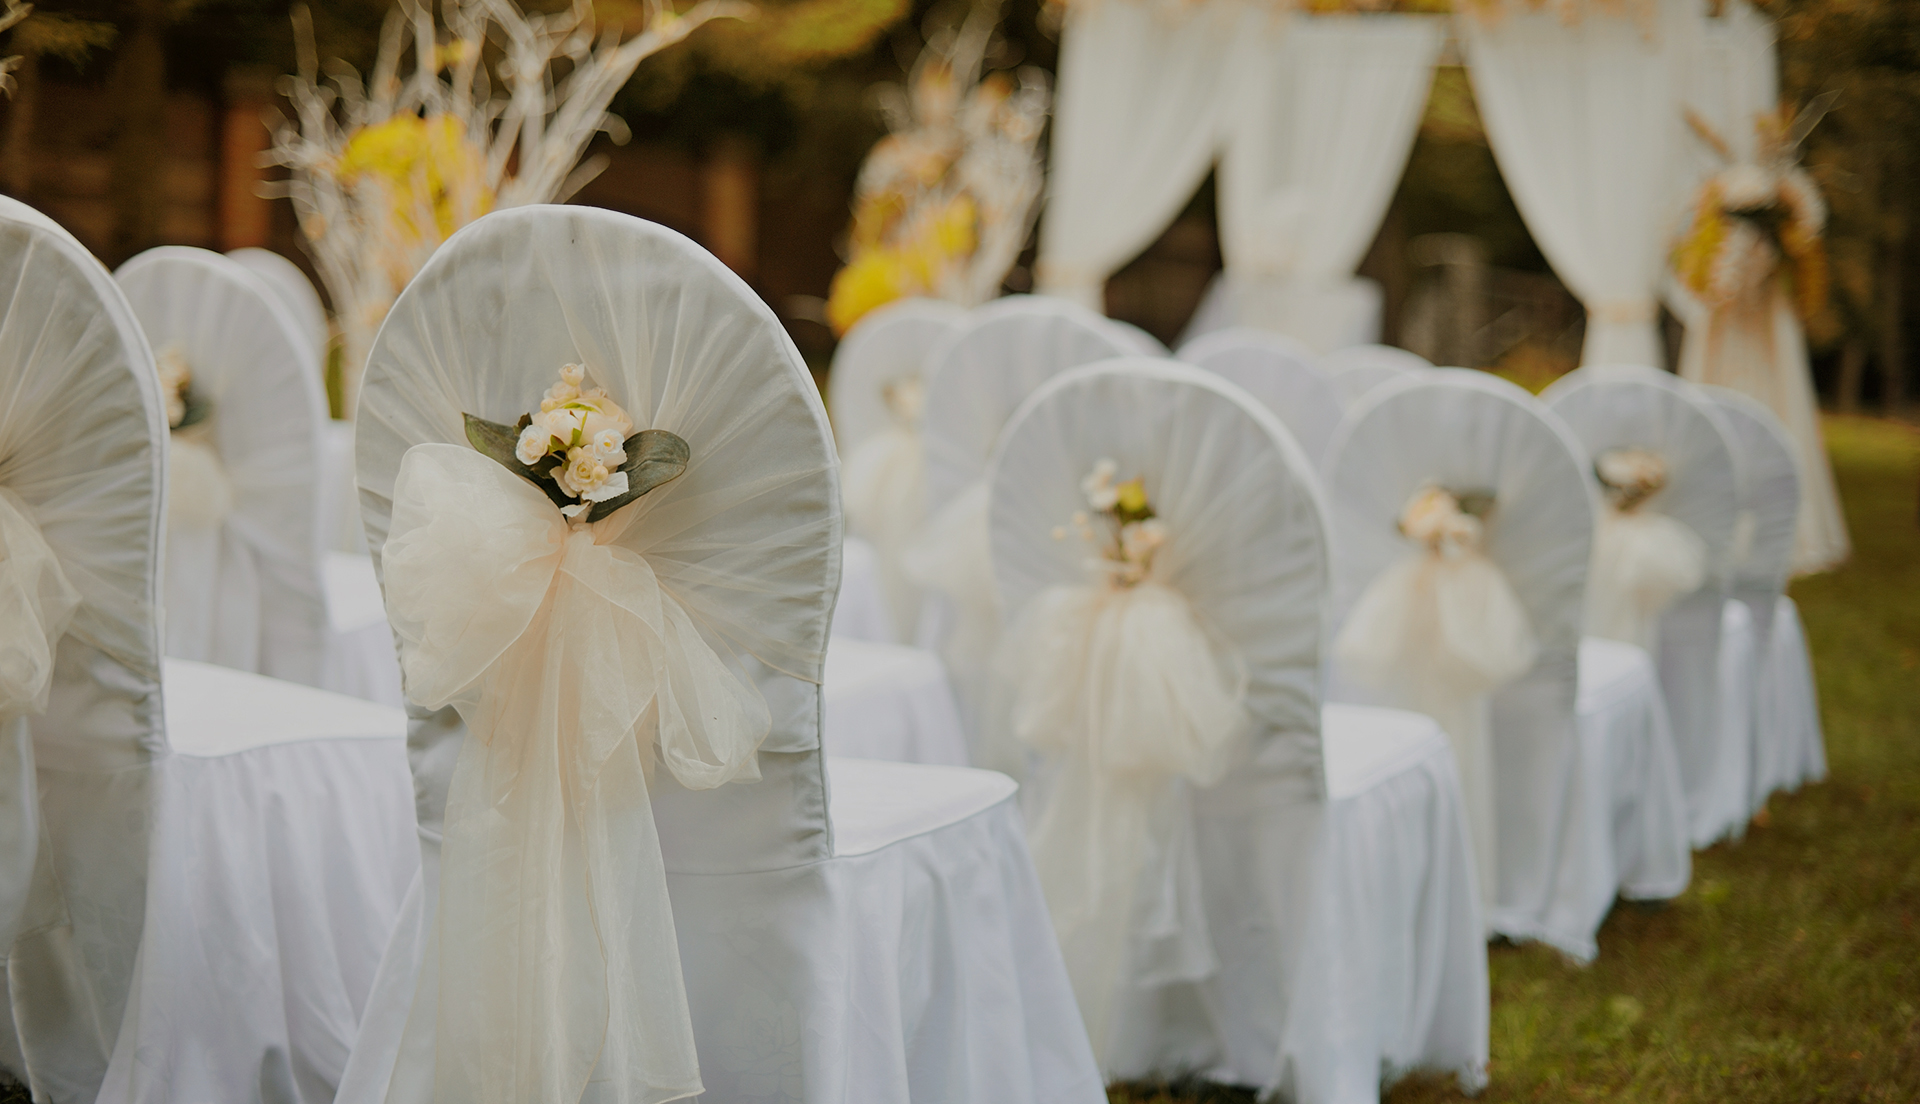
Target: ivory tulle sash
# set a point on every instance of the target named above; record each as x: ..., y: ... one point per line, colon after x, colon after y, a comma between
x: 572, y: 668
x: 1642, y: 562
x: 886, y: 501
x: 1437, y: 633
x: 952, y: 556
x: 1124, y: 692
x: 36, y: 606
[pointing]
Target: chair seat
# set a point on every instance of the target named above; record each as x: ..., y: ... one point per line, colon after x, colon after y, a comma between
x: 214, y: 711
x: 886, y: 701
x: 1366, y: 745
x: 876, y: 804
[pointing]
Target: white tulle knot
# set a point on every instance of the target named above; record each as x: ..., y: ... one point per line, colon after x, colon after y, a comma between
x: 1643, y: 560
x: 36, y: 606
x: 573, y: 669
x: 1438, y: 632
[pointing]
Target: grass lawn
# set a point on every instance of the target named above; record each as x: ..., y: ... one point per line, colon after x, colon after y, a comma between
x: 1790, y: 970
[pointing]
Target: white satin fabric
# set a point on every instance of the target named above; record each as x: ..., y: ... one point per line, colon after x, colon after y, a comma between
x: 205, y: 915
x: 785, y: 941
x: 1256, y: 894
x: 1320, y: 129
x: 1585, y: 121
x: 1282, y: 375
x: 876, y: 391
x: 974, y: 382
x: 1787, y: 744
x: 1569, y: 773
x: 1612, y: 406
x: 243, y: 562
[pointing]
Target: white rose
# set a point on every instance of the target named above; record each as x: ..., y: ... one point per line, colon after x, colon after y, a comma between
x: 604, y: 414
x: 573, y: 375
x: 1098, y: 485
x: 532, y: 444
x: 614, y: 486
x: 564, y: 423
x: 581, y: 475
x: 606, y: 447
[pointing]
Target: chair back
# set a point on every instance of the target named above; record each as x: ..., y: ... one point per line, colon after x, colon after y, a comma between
x: 1358, y: 369
x: 887, y: 347
x: 83, y: 450
x: 1280, y: 373
x: 1769, y: 506
x: 747, y: 541
x: 244, y: 541
x: 294, y: 291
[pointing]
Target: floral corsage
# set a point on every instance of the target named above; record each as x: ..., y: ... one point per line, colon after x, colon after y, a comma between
x: 1134, y: 534
x: 185, y: 405
x: 1630, y: 476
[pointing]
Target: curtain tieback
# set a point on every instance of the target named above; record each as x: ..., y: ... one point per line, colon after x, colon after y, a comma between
x: 1624, y: 312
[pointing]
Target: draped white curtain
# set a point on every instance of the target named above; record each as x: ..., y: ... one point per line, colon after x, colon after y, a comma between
x: 1138, y: 119
x: 1320, y: 130
x: 1585, y: 122
x: 1755, y: 345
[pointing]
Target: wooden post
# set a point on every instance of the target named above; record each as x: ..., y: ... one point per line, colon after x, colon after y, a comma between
x: 244, y: 216
x: 730, y: 206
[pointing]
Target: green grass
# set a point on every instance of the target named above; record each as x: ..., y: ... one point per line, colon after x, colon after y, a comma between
x: 1790, y: 970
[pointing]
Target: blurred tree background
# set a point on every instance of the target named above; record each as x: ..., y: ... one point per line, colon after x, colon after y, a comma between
x: 778, y: 111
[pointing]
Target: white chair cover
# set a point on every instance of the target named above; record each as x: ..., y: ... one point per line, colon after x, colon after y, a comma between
x: 861, y: 613
x: 293, y: 291
x: 768, y: 901
x: 1555, y: 786
x: 1358, y: 369
x: 892, y: 702
x: 1280, y: 373
x: 243, y: 515
x: 974, y: 383
x: 208, y: 906
x: 1788, y: 748
x: 1178, y: 884
x: 1614, y: 406
x: 876, y: 392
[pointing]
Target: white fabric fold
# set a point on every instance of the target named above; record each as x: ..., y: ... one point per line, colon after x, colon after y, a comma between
x: 951, y: 557
x: 884, y: 483
x: 1643, y: 561
x: 571, y: 665
x: 1122, y: 688
x: 1439, y: 632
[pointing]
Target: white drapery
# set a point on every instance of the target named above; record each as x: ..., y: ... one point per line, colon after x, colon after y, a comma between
x: 1321, y: 124
x: 1585, y: 125
x: 1138, y: 120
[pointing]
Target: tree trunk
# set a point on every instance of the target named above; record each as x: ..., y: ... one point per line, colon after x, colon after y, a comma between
x: 1853, y: 368
x: 136, y: 183
x: 16, y: 148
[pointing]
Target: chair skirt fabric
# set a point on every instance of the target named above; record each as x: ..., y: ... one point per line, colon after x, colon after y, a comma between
x: 1348, y: 931
x: 918, y: 963
x: 1705, y: 657
x: 281, y: 849
x: 1788, y: 747
x: 886, y: 701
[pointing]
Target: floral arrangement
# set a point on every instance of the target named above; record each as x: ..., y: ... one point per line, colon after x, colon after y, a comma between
x: 580, y: 449
x: 1447, y: 523
x: 944, y: 203
x: 185, y: 406
x: 1755, y: 221
x: 1134, y: 534
x: 1630, y: 476
x: 384, y: 171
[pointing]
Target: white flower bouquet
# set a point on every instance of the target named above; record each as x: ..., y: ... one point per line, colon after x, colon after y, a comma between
x: 1134, y: 533
x: 580, y: 449
x: 1630, y: 476
x: 185, y: 406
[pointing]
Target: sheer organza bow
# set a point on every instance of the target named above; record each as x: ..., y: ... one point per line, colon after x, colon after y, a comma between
x: 36, y: 606
x: 1643, y: 561
x: 1438, y: 632
x: 1124, y: 690
x: 572, y: 668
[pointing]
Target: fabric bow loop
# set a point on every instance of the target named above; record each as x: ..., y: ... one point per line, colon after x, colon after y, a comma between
x: 36, y: 606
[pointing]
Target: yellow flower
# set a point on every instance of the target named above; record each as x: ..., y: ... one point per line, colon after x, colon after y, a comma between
x: 427, y: 164
x: 1132, y: 497
x: 872, y: 279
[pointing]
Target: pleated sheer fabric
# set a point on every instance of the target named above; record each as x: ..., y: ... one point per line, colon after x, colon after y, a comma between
x: 294, y: 291
x: 877, y: 390
x: 1490, y: 616
x: 974, y: 383
x: 1629, y: 407
x: 81, y: 427
x: 684, y: 629
x: 243, y: 516
x: 1279, y: 372
x: 1132, y: 696
x: 1358, y: 369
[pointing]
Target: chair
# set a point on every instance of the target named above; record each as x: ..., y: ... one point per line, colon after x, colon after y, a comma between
x: 847, y: 930
x: 1279, y: 372
x: 1358, y: 369
x: 1662, y: 565
x: 974, y: 382
x: 876, y: 391
x: 216, y: 858
x: 248, y: 584
x: 292, y: 290
x: 1245, y: 884
x: 1566, y: 757
x: 1788, y: 748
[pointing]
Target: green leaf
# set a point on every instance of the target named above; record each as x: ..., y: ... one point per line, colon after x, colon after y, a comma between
x: 654, y: 457
x: 497, y: 442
